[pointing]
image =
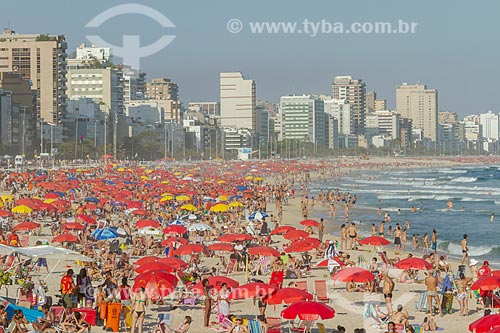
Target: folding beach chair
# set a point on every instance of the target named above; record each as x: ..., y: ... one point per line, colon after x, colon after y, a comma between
x: 418, y: 328
x: 165, y: 318
x: 369, y: 312
x: 302, y: 285
x: 321, y: 291
x: 277, y: 279
x: 254, y: 326
x: 304, y: 326
x: 422, y: 305
x: 274, y: 324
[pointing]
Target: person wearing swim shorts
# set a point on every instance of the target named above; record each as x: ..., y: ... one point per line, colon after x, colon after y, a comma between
x: 431, y: 283
x: 463, y: 297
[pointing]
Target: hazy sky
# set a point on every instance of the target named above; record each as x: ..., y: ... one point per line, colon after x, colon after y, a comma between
x: 455, y: 48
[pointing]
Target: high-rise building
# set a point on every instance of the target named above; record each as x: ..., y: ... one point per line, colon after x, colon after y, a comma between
x: 167, y: 93
x: 102, y: 85
x: 387, y: 123
x: 41, y: 59
x: 340, y: 110
x: 237, y: 101
x: 353, y: 91
x: 490, y: 125
x: 371, y: 97
x: 419, y: 104
x: 303, y: 118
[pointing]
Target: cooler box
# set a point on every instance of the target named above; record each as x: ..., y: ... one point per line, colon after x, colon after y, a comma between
x: 89, y: 314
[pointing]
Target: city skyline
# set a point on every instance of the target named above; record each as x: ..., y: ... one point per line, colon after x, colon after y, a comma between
x: 443, y: 53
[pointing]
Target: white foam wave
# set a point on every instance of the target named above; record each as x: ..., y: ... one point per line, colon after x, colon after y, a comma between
x: 456, y: 249
x: 464, y: 179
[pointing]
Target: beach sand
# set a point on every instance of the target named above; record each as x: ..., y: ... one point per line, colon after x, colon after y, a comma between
x: 348, y: 306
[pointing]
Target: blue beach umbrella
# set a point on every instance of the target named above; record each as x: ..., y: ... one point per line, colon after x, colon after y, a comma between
x: 105, y: 233
x: 91, y: 199
x: 257, y: 216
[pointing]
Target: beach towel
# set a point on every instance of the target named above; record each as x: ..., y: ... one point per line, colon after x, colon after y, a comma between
x: 30, y: 315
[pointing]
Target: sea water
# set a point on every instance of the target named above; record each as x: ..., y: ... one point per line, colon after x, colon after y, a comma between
x: 473, y: 190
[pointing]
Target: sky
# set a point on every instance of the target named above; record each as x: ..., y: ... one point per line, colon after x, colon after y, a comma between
x: 454, y: 48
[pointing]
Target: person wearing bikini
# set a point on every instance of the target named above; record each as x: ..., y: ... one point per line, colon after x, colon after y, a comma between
x: 139, y: 302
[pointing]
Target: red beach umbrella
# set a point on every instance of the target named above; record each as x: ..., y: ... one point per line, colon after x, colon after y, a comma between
x: 282, y: 230
x: 486, y: 282
x: 174, y: 262
x: 139, y: 212
x: 324, y: 263
x: 374, y: 240
x: 308, y: 311
x: 190, y: 249
x: 175, y: 229
x: 156, y: 283
x: 146, y: 260
x: 355, y: 274
x: 310, y: 223
x: 68, y: 238
x: 86, y: 218
x: 26, y: 226
x: 485, y: 324
x: 73, y: 226
x: 296, y: 234
x: 251, y: 290
x: 221, y: 247
x: 154, y: 266
x: 266, y: 251
x: 5, y: 213
x: 147, y: 223
x: 303, y: 245
x: 413, y: 263
x: 289, y: 295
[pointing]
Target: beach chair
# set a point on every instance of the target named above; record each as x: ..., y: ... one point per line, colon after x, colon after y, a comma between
x: 254, y: 326
x: 321, y: 327
x: 277, y: 279
x: 59, y: 314
x: 321, y: 291
x: 274, y: 324
x: 165, y: 318
x: 304, y: 326
x: 422, y: 305
x: 302, y: 285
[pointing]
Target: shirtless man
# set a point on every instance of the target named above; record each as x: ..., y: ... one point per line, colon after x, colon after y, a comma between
x: 431, y: 283
x: 397, y: 238
x: 381, y: 228
x: 352, y: 235
x: 465, y: 250
x: 462, y: 296
x: 387, y: 291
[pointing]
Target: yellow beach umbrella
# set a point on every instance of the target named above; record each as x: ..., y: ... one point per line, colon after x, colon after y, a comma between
x: 223, y: 198
x: 166, y: 198
x: 249, y: 177
x: 258, y: 179
x: 219, y: 208
x: 221, y: 182
x: 120, y: 169
x: 21, y: 209
x: 166, y: 194
x: 165, y: 182
x: 49, y: 201
x: 7, y: 197
x: 145, y: 177
x: 236, y: 204
x: 189, y: 207
x: 182, y: 198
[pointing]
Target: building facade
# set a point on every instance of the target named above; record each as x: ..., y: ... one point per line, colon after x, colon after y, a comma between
x: 353, y: 91
x: 41, y: 59
x: 490, y: 124
x: 237, y: 101
x: 419, y: 104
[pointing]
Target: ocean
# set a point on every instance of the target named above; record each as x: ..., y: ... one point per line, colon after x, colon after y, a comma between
x: 473, y: 190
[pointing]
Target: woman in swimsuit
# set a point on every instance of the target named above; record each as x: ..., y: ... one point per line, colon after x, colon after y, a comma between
x: 139, y: 302
x: 75, y: 323
x: 239, y: 327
